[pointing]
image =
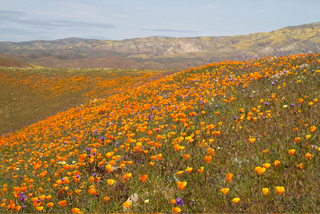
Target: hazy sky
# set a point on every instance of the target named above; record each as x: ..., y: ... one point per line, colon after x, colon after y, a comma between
x: 24, y: 20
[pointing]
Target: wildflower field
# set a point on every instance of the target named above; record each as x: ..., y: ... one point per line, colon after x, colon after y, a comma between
x: 234, y: 136
x: 28, y: 95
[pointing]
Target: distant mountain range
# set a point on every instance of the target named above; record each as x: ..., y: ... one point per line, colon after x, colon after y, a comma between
x: 162, y: 52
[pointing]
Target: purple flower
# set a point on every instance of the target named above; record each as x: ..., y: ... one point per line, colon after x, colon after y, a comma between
x: 179, y: 201
x: 94, y: 174
x: 22, y: 207
x: 235, y: 117
x: 88, y: 149
x: 116, y: 144
x: 266, y: 103
x: 23, y: 198
x: 78, y: 176
x: 101, y: 138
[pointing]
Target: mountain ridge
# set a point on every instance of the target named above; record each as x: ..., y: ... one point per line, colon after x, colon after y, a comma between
x: 287, y: 40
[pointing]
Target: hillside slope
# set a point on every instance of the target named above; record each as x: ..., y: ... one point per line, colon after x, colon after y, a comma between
x: 5, y: 62
x: 234, y: 136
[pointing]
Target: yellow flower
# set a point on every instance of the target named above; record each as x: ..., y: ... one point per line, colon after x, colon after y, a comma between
x: 176, y: 209
x: 266, y: 165
x: 225, y: 190
x: 308, y: 156
x: 260, y: 170
x: 280, y: 190
x: 126, y: 204
x: 201, y: 169
x: 265, y: 191
x: 180, y: 173
x: 39, y: 208
x: 292, y: 151
x: 76, y: 210
x: 110, y: 182
x: 189, y: 169
x: 252, y: 140
x: 236, y: 200
x: 276, y: 163
x: 181, y: 185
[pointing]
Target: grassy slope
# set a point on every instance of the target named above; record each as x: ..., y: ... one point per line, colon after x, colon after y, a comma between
x: 233, y: 113
x: 4, y: 62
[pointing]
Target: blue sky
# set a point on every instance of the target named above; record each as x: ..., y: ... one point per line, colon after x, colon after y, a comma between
x: 25, y: 20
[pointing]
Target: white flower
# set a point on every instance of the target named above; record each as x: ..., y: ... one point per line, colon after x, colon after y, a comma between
x: 146, y: 201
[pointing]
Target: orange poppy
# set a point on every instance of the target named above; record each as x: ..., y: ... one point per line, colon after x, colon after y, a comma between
x: 181, y: 185
x: 143, y: 178
x: 229, y: 177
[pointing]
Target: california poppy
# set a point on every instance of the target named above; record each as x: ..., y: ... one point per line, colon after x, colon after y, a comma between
x: 126, y: 204
x: 143, y: 178
x: 265, y: 191
x: 181, y: 185
x: 225, y: 190
x: 280, y: 190
x: 236, y: 200
x: 229, y: 177
x: 292, y: 151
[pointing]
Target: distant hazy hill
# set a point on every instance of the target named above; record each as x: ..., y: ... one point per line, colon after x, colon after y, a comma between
x: 163, y: 52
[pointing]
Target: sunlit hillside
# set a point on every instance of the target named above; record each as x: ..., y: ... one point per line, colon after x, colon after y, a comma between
x: 234, y: 136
